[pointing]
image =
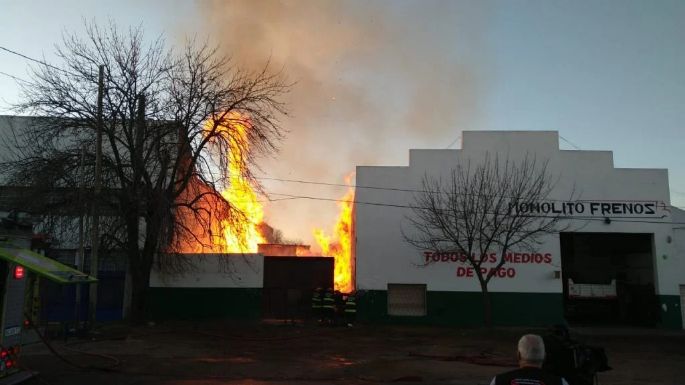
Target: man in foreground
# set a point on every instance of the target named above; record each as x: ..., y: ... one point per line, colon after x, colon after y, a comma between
x: 531, y: 355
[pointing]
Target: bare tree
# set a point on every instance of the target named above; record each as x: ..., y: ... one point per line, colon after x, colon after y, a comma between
x: 491, y: 206
x: 170, y: 119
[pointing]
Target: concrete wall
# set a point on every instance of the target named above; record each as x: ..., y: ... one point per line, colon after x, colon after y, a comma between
x: 222, y: 286
x: 216, y: 270
x: 383, y: 256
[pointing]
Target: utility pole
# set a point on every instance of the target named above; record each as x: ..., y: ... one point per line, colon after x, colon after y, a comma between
x: 139, y: 141
x: 93, y: 294
x: 138, y: 170
x: 80, y: 256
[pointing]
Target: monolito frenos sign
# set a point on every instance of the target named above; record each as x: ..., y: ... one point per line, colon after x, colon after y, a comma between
x: 489, y: 262
x: 591, y: 208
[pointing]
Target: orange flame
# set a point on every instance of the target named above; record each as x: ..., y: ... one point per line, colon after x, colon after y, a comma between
x: 216, y: 227
x: 340, y: 248
x: 242, y: 235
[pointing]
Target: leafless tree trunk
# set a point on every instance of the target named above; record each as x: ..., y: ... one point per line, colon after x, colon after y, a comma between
x: 193, y: 99
x: 477, y: 209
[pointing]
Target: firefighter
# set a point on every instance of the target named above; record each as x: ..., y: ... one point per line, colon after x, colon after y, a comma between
x: 350, y: 310
x: 339, y: 307
x: 317, y: 304
x: 328, y: 306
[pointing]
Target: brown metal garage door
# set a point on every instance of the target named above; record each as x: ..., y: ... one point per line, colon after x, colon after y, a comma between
x: 289, y: 283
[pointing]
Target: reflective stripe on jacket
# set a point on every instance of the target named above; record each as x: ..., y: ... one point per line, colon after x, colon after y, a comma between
x: 328, y: 301
x: 350, y: 305
x: 316, y: 301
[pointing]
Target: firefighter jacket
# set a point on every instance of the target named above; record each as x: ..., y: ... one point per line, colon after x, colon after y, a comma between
x: 316, y: 300
x: 350, y: 304
x: 328, y: 301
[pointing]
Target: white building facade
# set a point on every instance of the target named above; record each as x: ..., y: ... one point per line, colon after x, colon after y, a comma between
x: 220, y: 286
x: 621, y: 234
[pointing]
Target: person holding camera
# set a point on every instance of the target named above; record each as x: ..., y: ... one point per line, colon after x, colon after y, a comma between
x: 531, y: 355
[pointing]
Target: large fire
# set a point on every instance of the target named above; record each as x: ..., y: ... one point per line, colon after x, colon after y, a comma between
x: 241, y: 234
x: 340, y: 245
x: 214, y: 227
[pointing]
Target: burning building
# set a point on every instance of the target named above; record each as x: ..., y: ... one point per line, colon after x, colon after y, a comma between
x: 240, y: 261
x: 234, y: 220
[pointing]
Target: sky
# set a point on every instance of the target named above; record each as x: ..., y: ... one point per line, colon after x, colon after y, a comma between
x: 374, y: 79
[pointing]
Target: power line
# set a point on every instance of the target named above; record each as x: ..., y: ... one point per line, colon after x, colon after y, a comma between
x: 453, y: 142
x: 585, y: 218
x: 569, y: 142
x: 660, y: 204
x: 35, y: 60
x: 278, y: 179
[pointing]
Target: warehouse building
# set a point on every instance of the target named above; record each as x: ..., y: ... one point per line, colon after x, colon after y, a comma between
x: 620, y: 260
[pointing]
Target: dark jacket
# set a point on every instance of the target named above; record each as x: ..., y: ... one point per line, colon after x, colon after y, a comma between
x: 528, y: 376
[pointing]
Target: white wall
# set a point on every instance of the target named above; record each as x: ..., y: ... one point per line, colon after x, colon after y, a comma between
x: 384, y: 257
x: 217, y: 270
x: 678, y: 241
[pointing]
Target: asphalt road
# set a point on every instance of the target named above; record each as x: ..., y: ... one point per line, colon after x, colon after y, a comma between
x: 277, y: 353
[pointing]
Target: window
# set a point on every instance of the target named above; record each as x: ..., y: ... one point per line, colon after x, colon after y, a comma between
x: 406, y: 300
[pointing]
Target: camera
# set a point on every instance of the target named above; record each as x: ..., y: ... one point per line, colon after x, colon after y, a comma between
x: 576, y: 362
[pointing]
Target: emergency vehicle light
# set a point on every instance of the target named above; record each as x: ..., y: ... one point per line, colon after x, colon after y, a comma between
x: 18, y: 272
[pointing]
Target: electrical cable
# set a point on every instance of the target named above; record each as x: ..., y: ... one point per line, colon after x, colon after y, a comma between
x: 569, y: 142
x: 661, y: 204
x: 453, y: 142
x: 582, y: 218
x: 35, y: 60
x: 311, y: 182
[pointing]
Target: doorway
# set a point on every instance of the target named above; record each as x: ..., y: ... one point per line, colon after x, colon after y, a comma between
x: 608, y: 278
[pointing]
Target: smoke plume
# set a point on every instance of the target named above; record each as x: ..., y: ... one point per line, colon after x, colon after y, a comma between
x: 372, y: 79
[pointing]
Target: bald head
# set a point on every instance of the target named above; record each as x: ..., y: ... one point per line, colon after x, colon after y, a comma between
x: 531, y: 350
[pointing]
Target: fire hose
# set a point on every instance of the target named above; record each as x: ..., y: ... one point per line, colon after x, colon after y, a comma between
x: 68, y: 361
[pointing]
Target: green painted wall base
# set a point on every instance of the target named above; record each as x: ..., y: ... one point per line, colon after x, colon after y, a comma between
x: 671, y: 314
x: 205, y: 303
x: 466, y: 309
x: 444, y: 308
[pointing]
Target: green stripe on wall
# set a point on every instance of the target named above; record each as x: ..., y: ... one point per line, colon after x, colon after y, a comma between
x: 205, y: 303
x: 466, y: 308
x: 444, y: 308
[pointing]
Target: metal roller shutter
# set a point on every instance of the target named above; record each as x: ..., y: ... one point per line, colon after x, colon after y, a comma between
x: 407, y: 300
